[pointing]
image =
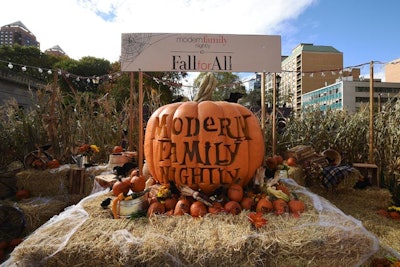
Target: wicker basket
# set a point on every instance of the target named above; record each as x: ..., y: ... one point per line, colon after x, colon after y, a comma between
x: 333, y: 157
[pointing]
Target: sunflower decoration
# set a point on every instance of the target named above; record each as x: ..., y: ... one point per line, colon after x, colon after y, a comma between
x: 88, y: 150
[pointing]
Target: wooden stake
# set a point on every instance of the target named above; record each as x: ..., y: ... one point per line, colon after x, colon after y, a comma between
x: 141, y: 128
x: 131, y: 117
x: 263, y: 102
x: 274, y: 116
x: 371, y: 113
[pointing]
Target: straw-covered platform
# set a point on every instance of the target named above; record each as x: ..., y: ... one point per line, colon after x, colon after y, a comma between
x: 86, y: 235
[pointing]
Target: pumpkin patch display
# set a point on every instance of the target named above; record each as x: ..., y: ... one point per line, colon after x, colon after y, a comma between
x: 203, y: 144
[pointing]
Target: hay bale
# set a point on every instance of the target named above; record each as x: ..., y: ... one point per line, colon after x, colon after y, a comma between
x: 39, y: 210
x: 86, y: 234
x: 44, y: 182
x: 55, y: 182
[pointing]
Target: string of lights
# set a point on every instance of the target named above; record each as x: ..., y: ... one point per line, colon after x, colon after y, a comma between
x: 96, y: 78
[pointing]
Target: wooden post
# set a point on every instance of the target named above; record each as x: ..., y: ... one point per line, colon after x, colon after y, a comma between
x: 274, y: 116
x: 263, y: 102
x: 371, y: 113
x: 141, y: 129
x: 131, y: 117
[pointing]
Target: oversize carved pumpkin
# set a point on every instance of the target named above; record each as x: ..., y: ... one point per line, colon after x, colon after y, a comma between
x: 203, y: 144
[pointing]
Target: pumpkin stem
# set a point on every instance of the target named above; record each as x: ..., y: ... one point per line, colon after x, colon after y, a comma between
x: 207, y: 86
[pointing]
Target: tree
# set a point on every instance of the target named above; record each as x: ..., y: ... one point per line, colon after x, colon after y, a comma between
x: 86, y: 74
x: 27, y: 61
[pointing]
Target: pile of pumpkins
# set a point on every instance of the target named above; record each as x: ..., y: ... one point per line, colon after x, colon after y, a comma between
x: 233, y: 199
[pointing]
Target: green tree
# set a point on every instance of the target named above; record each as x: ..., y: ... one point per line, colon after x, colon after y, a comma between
x: 27, y: 61
x: 86, y: 74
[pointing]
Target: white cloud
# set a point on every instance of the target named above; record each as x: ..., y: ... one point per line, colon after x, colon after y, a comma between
x: 94, y: 27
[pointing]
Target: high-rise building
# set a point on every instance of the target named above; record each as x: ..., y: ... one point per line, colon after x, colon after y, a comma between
x: 350, y: 95
x: 17, y: 33
x: 392, y: 71
x: 56, y: 51
x: 310, y: 67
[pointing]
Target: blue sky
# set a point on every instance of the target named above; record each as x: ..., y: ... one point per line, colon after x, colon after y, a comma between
x: 363, y: 30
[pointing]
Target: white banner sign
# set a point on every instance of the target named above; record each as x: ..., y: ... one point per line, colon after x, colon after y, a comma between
x: 200, y: 52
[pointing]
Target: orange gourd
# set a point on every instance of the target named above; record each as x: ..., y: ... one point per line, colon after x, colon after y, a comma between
x: 235, y: 192
x: 216, y: 208
x: 280, y: 206
x: 291, y: 162
x: 137, y: 183
x: 203, y: 145
x: 283, y: 188
x: 233, y: 207
x: 155, y: 208
x: 170, y: 203
x: 264, y: 205
x: 278, y: 159
x: 117, y: 149
x: 198, y: 209
x: 182, y: 207
x: 271, y: 163
x: 120, y: 187
x: 247, y: 203
x: 296, y: 206
x: 52, y: 164
x: 22, y: 194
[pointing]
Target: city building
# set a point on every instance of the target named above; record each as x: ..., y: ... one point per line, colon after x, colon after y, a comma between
x: 17, y: 33
x: 392, y: 71
x: 348, y: 94
x: 308, y: 68
x: 56, y: 51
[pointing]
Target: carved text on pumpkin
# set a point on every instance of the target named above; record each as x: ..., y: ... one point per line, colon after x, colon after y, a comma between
x: 198, y: 175
x: 167, y: 152
x: 236, y: 128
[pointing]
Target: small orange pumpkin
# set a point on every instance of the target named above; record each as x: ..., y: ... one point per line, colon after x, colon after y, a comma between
x: 155, y: 208
x: 233, y: 207
x: 215, y: 208
x: 278, y: 159
x: 170, y: 203
x: 138, y: 183
x: 120, y: 187
x: 271, y: 163
x: 296, y: 206
x: 22, y: 194
x: 117, y: 149
x: 283, y: 188
x: 198, y: 209
x: 52, y: 164
x: 235, y: 192
x: 182, y: 207
x: 291, y: 162
x: 247, y: 203
x: 280, y: 206
x: 264, y: 205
